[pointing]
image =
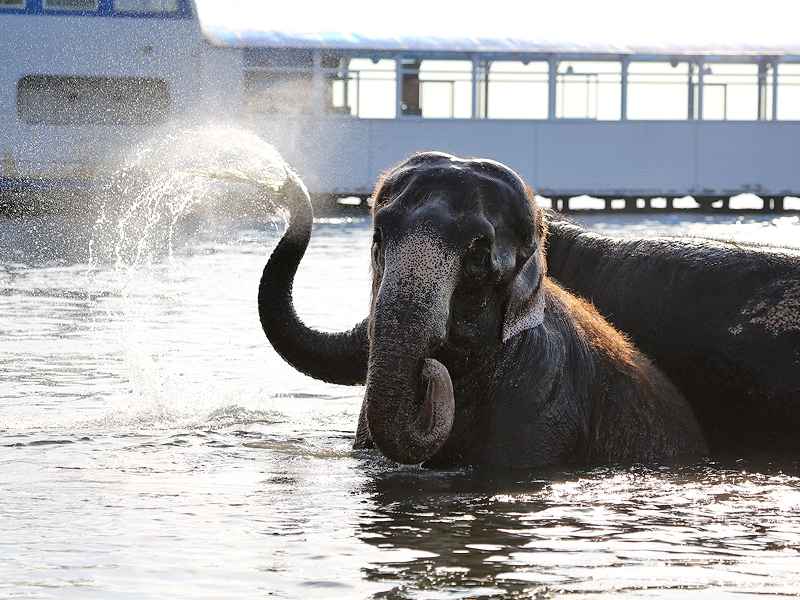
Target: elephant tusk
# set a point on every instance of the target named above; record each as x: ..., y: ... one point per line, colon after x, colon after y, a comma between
x: 438, y: 411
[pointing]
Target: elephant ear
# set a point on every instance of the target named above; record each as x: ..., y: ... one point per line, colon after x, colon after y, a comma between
x: 525, y: 309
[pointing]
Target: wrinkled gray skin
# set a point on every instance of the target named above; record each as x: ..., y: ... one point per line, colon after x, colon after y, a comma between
x: 474, y: 356
x: 721, y: 319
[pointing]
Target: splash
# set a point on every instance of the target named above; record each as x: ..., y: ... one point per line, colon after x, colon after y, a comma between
x: 142, y: 252
x: 213, y: 169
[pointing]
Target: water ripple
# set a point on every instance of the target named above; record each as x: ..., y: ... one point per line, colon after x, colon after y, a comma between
x: 153, y: 445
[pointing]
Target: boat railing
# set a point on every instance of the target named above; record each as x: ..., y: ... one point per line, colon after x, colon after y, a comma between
x: 465, y: 87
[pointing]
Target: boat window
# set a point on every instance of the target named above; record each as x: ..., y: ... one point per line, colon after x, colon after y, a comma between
x: 71, y: 100
x: 336, y: 95
x: 514, y: 90
x: 730, y: 92
x: 278, y: 82
x: 660, y: 90
x: 589, y: 90
x: 146, y: 6
x: 371, y: 88
x: 71, y: 4
x: 444, y: 89
x: 789, y: 91
x: 12, y: 3
x: 278, y: 92
x: 287, y: 82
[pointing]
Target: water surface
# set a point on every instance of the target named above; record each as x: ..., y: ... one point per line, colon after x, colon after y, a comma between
x: 152, y: 445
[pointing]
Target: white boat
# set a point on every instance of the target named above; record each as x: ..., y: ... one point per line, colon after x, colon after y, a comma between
x: 83, y: 81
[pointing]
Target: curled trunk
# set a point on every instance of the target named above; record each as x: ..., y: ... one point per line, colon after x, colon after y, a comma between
x: 333, y: 357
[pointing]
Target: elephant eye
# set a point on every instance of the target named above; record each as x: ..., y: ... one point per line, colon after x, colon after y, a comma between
x: 377, y: 241
x: 477, y: 258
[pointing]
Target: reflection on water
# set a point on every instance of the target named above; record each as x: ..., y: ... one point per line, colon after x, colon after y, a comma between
x: 668, y: 530
x: 153, y: 445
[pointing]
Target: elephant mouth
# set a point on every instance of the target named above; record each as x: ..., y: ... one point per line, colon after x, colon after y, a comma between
x: 450, y: 352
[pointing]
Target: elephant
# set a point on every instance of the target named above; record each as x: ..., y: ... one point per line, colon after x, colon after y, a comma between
x: 721, y: 319
x: 471, y: 355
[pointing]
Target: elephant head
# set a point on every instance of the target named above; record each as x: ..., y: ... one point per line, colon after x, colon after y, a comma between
x: 457, y: 264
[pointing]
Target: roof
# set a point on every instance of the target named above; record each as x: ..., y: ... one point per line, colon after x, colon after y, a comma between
x: 502, y: 26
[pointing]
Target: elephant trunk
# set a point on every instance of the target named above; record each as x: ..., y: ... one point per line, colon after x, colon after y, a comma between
x: 333, y: 357
x: 409, y: 397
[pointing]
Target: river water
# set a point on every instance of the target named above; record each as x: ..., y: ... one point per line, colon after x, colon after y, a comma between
x: 152, y: 445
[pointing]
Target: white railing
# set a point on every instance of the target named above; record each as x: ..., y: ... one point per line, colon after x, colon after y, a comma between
x: 647, y: 91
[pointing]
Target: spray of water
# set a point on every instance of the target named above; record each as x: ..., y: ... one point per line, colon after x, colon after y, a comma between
x: 168, y: 189
x: 186, y: 170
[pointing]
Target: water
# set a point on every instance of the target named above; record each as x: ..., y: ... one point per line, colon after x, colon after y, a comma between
x: 152, y: 445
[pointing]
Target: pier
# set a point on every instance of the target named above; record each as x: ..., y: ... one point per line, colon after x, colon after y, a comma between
x: 327, y: 204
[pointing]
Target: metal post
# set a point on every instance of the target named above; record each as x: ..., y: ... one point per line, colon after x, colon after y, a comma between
x: 475, y: 86
x: 701, y: 66
x: 319, y: 83
x: 624, y: 89
x: 762, y: 91
x: 690, y: 115
x: 398, y: 109
x: 346, y: 83
x: 487, y: 65
x: 551, y: 90
x: 774, y: 60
